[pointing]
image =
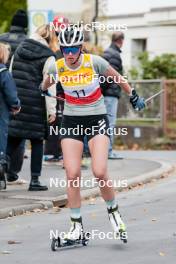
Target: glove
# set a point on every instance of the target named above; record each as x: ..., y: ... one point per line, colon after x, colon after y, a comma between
x: 137, y: 102
x: 44, y: 92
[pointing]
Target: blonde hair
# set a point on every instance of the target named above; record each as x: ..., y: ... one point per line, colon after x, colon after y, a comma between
x: 4, y: 53
x: 49, y: 35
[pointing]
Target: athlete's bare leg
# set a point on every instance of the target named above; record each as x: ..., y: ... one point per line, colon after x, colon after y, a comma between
x: 98, y: 146
x: 72, y: 155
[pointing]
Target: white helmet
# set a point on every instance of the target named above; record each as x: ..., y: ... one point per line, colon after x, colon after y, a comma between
x: 71, y: 36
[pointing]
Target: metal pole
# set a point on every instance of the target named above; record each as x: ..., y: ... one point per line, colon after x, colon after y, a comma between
x: 94, y: 20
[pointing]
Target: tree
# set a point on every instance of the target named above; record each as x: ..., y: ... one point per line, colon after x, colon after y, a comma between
x: 7, y: 10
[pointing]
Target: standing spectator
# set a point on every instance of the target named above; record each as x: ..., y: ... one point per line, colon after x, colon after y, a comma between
x: 14, y: 37
x: 31, y: 63
x: 112, y: 91
x: 53, y: 144
x: 9, y: 102
x: 17, y: 32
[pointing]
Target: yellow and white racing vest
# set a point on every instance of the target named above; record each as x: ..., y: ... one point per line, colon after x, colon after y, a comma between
x: 81, y: 88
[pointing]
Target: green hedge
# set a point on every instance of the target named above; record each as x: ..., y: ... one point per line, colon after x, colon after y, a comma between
x: 163, y: 66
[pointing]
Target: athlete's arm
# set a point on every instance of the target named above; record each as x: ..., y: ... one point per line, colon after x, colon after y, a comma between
x: 119, y: 79
x: 102, y: 67
x: 137, y: 102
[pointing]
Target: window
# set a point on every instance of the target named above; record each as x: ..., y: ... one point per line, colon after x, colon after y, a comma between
x: 137, y: 46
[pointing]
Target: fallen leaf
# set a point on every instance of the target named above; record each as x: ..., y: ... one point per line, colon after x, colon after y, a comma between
x: 133, y: 219
x: 10, y: 214
x: 135, y: 147
x: 154, y: 220
x: 93, y: 215
x: 56, y: 209
x: 6, y: 252
x: 12, y: 242
x: 37, y: 210
x: 162, y: 254
x: 27, y: 213
x: 140, y: 183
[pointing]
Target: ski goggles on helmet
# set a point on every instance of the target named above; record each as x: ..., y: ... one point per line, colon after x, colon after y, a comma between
x: 73, y: 49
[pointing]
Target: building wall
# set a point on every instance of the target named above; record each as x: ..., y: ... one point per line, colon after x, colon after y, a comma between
x: 154, y: 21
x: 157, y: 26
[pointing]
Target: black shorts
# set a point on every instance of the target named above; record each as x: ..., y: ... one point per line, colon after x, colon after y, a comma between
x: 77, y: 127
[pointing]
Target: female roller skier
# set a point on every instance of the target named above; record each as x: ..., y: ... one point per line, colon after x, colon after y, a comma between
x: 84, y: 107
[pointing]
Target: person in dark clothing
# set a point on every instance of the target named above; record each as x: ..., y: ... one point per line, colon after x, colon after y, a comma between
x: 32, y: 61
x: 14, y: 37
x: 17, y: 32
x: 9, y: 102
x: 112, y: 91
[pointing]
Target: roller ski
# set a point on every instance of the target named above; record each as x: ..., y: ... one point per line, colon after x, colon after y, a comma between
x: 117, y: 224
x: 3, y: 166
x: 75, y: 236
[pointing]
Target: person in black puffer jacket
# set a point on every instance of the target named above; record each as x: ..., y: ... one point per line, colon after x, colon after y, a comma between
x: 14, y: 37
x: 112, y: 91
x: 31, y: 63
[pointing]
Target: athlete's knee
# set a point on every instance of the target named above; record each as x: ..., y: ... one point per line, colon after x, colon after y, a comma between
x: 73, y: 175
x: 100, y: 173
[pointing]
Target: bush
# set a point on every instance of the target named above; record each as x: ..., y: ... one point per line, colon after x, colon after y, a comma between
x: 163, y: 66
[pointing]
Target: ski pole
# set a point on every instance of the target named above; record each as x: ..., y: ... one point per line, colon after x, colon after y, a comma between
x: 153, y: 96
x: 52, y: 96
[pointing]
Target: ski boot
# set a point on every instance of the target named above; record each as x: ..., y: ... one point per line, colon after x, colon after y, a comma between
x: 117, y: 224
x: 75, y: 236
x: 3, y: 170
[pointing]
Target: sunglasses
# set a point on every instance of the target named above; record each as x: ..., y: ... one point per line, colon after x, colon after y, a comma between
x: 73, y: 50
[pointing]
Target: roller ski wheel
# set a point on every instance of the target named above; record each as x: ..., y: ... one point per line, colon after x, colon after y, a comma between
x: 55, y: 244
x: 123, y: 236
x: 2, y: 178
x: 62, y: 243
x: 85, y: 239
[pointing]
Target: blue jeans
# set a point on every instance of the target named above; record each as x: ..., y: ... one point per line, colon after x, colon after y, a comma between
x: 111, y: 107
x: 4, y: 121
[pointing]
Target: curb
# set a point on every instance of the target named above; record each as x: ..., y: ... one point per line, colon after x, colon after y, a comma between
x: 21, y: 209
x: 165, y: 169
x: 61, y: 200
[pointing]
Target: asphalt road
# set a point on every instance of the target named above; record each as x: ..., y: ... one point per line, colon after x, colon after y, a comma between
x: 149, y: 212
